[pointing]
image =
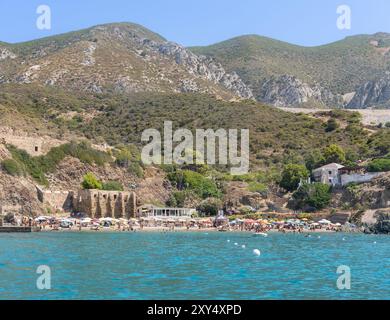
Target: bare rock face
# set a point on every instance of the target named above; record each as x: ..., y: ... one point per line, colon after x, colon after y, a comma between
x: 19, y: 192
x: 379, y: 223
x: 6, y: 54
x: 287, y: 91
x: 238, y: 195
x: 372, y: 93
x: 125, y: 58
x: 204, y: 67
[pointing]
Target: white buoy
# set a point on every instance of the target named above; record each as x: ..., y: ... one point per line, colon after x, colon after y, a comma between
x: 243, y: 246
x: 228, y: 241
x: 236, y: 244
x: 343, y: 239
x: 256, y: 252
x: 374, y: 242
x: 319, y: 237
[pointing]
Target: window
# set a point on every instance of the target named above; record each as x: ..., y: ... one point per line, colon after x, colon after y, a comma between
x: 36, y: 149
x: 330, y: 172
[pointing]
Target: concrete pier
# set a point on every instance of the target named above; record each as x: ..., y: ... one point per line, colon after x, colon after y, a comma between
x: 18, y: 229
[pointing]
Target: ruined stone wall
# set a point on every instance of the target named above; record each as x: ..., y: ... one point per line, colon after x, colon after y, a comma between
x: 33, y: 145
x: 58, y: 200
x: 100, y: 204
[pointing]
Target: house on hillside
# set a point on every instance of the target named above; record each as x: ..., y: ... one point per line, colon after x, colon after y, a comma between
x: 328, y: 174
x: 335, y: 174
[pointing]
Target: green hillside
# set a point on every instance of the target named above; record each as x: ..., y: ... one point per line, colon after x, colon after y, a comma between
x: 276, y: 137
x: 340, y: 66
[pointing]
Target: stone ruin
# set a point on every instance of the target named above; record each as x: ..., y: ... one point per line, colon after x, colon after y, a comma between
x: 59, y: 201
x: 33, y: 145
x: 93, y: 203
x: 101, y: 204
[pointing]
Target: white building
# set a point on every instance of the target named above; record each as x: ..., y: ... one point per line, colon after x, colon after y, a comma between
x: 335, y: 174
x: 328, y: 174
x: 169, y: 212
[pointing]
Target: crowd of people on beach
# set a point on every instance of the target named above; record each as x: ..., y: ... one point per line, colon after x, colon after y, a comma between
x: 50, y: 223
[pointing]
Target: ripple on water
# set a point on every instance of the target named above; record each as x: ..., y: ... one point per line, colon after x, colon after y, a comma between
x: 193, y: 266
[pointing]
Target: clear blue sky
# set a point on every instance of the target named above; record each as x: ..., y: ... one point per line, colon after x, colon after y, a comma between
x: 201, y: 22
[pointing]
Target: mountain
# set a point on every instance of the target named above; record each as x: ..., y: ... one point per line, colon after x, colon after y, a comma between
x: 121, y: 57
x: 288, y: 75
x: 128, y: 58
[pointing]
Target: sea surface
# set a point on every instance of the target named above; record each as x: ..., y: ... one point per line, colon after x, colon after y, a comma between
x: 193, y: 266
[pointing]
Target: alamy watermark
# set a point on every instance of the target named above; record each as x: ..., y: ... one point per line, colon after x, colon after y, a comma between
x: 344, y: 21
x: 44, y: 280
x: 44, y: 18
x: 344, y: 280
x: 179, y: 147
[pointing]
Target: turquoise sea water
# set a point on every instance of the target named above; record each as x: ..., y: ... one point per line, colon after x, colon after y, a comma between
x: 193, y: 266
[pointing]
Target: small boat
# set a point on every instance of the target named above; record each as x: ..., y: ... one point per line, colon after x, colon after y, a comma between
x: 261, y: 234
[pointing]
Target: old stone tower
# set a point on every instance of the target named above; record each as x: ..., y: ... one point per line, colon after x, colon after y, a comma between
x: 101, y: 204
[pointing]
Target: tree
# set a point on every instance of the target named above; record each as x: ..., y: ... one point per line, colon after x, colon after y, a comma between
x: 314, y: 196
x: 91, y: 182
x: 334, y: 153
x: 315, y: 159
x: 332, y: 125
x: 210, y: 207
x: 292, y: 175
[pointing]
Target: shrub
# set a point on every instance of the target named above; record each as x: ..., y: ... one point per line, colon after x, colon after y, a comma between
x: 314, y: 159
x: 136, y: 169
x: 334, y: 153
x: 292, y: 175
x: 257, y: 187
x: 112, y: 186
x: 187, y: 179
x: 311, y: 196
x: 379, y: 165
x: 210, y: 207
x: 38, y: 167
x: 91, y: 182
x: 332, y: 125
x: 12, y: 167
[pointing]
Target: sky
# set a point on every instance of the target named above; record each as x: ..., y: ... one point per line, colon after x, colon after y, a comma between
x: 201, y: 22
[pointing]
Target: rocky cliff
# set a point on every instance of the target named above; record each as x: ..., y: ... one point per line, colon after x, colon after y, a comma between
x: 375, y: 93
x: 288, y: 90
x: 117, y: 57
